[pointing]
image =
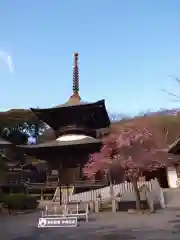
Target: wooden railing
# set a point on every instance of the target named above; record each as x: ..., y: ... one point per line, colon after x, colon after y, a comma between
x: 75, y: 184
x: 43, y: 196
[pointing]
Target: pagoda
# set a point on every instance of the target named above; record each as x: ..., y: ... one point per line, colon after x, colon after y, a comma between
x: 76, y: 124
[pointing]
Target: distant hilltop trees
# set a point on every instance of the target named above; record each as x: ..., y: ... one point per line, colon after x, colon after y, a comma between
x: 116, y: 117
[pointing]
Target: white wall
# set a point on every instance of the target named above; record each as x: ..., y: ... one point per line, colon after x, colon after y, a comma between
x: 72, y: 137
x: 172, y: 177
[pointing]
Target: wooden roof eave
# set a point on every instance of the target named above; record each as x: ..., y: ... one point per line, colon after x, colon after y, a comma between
x: 67, y: 105
x: 56, y: 143
x: 4, y: 143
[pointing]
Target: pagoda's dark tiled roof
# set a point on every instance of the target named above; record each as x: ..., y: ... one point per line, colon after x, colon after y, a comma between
x: 54, y: 151
x: 69, y: 104
x: 91, y: 115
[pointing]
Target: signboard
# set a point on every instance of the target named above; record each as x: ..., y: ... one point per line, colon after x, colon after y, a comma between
x: 48, y: 222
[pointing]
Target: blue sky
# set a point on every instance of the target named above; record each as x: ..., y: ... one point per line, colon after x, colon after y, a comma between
x: 129, y: 51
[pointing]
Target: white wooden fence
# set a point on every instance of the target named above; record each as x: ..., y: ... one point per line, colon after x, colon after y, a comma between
x: 104, y: 193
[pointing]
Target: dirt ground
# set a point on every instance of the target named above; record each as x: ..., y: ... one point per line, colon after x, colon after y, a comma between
x: 162, y: 225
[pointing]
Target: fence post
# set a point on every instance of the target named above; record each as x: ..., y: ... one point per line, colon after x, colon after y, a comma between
x: 91, y: 206
x: 114, y: 205
x: 162, y: 200
x: 157, y: 193
x: 97, y: 204
x: 42, y: 197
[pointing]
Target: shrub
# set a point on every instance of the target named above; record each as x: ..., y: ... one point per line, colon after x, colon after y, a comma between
x: 30, y: 202
x: 19, y: 201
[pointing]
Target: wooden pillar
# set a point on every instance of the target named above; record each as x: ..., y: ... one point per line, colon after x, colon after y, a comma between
x: 81, y: 172
x: 67, y: 193
x: 26, y: 190
x: 47, y: 176
x: 21, y: 176
x: 42, y: 195
x: 60, y: 187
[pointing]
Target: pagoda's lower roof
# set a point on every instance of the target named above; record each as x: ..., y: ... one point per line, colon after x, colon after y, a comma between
x: 60, y: 144
x: 4, y: 143
x: 59, y: 151
x: 17, y: 170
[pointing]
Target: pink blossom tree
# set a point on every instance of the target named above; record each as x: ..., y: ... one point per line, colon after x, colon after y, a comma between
x: 133, y: 150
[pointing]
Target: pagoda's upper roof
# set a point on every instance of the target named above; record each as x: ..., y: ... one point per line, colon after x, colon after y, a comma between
x: 87, y: 115
x: 75, y: 112
x: 69, y: 104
